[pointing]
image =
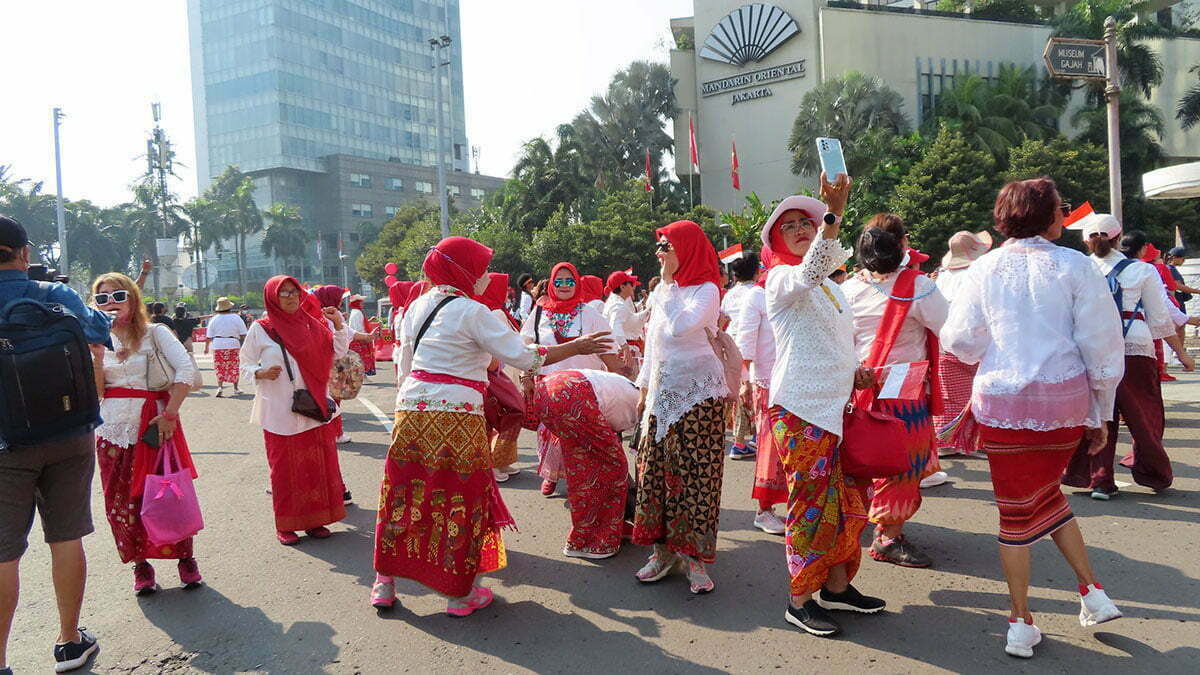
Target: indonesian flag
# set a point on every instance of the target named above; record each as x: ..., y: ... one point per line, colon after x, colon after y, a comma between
x: 737, y: 181
x: 692, y: 142
x: 649, y: 187
x: 730, y: 254
x: 902, y: 380
x: 1083, y: 211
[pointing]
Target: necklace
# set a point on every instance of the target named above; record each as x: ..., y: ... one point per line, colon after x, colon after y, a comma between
x: 879, y: 288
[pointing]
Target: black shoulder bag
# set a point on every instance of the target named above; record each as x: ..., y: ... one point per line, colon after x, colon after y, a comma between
x: 303, y: 402
x: 429, y: 319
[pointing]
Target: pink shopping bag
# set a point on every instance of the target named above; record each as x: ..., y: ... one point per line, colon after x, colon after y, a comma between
x: 170, y: 510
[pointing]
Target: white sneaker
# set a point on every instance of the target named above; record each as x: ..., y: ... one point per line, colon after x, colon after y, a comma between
x: 934, y: 479
x: 1096, y: 607
x: 344, y: 438
x: 770, y: 523
x: 500, y: 475
x: 1022, y: 638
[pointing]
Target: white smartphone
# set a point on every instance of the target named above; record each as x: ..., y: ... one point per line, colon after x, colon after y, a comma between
x: 832, y: 160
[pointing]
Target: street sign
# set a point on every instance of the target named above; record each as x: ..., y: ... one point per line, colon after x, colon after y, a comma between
x: 1075, y: 59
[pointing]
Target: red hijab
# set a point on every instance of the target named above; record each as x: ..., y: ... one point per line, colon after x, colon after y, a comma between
x: 766, y: 260
x: 330, y: 296
x: 418, y: 289
x: 457, y: 262
x: 398, y: 293
x: 593, y: 288
x: 496, y: 296
x: 550, y: 301
x: 697, y: 257
x: 306, y: 337
x: 781, y: 254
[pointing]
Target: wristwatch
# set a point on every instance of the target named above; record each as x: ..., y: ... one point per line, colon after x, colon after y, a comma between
x: 830, y: 218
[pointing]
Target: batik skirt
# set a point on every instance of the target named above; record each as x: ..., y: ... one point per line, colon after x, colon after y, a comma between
x: 124, y: 511
x: 770, y: 480
x: 898, y: 498
x: 550, y: 455
x: 365, y: 351
x: 226, y: 363
x: 679, y: 483
x: 306, y: 480
x: 437, y: 521
x: 503, y: 421
x: 1026, y: 467
x: 957, y: 380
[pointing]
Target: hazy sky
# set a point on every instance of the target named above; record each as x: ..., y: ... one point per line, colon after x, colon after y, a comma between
x: 529, y: 65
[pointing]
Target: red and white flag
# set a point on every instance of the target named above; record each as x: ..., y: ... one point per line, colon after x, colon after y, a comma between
x: 649, y: 187
x: 737, y: 181
x: 902, y: 380
x: 1082, y: 211
x: 692, y: 142
x: 730, y: 254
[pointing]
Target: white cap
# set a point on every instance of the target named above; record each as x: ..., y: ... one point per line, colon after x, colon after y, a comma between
x: 1097, y: 223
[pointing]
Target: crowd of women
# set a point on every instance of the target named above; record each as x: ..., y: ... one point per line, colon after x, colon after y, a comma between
x: 844, y: 385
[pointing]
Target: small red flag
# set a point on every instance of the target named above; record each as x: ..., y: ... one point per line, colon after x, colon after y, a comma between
x: 649, y: 187
x: 692, y: 142
x: 737, y: 181
x: 728, y: 255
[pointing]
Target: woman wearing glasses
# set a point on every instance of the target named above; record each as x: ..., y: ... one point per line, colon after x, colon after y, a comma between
x: 129, y: 410
x: 290, y: 354
x: 440, y: 511
x: 558, y: 317
x: 683, y: 401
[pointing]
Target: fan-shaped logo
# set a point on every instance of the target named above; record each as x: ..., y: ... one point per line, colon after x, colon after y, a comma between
x: 749, y: 33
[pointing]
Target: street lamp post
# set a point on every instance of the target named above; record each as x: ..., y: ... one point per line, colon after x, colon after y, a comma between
x: 437, y: 45
x: 64, y: 265
x: 725, y: 228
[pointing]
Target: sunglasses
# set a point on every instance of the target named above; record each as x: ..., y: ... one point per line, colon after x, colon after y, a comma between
x: 564, y: 283
x: 662, y: 246
x: 1066, y: 209
x: 115, y: 296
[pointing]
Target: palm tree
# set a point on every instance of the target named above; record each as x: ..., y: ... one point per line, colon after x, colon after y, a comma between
x: 1141, y: 69
x: 846, y: 108
x: 548, y: 176
x: 98, y: 238
x: 234, y: 213
x: 1188, y: 112
x: 1140, y: 133
x: 24, y: 201
x: 285, y: 237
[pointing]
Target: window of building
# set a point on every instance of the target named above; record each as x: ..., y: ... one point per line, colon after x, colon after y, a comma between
x: 363, y: 210
x: 454, y: 190
x: 424, y: 187
x: 395, y: 184
x: 478, y: 193
x: 354, y: 237
x: 360, y: 180
x: 391, y: 211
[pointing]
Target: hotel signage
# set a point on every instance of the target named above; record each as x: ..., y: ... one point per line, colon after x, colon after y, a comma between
x: 748, y: 35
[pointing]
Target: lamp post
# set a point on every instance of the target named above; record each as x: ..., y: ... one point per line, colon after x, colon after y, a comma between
x: 64, y: 265
x: 725, y: 228
x: 437, y: 46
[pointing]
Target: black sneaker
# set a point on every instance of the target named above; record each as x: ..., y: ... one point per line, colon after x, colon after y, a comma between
x: 899, y: 552
x: 813, y: 619
x: 6, y: 671
x: 72, y: 655
x: 850, y: 600
x: 347, y: 500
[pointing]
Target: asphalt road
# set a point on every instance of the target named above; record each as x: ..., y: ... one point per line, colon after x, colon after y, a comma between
x: 266, y: 608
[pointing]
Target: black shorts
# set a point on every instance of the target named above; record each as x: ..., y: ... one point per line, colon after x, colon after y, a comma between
x: 56, y: 478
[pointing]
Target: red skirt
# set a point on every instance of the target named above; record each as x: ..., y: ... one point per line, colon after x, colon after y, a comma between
x: 897, y: 498
x: 957, y: 381
x: 770, y: 480
x: 365, y: 351
x: 437, y: 521
x: 124, y: 511
x: 225, y: 361
x: 306, y: 481
x: 1026, y: 466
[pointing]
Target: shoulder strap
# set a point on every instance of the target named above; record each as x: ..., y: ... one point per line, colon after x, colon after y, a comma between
x: 893, y: 317
x: 287, y: 364
x: 429, y: 320
x: 1118, y: 294
x: 537, y: 324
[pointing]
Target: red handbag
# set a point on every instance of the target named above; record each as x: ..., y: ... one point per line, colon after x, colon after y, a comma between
x: 873, y: 441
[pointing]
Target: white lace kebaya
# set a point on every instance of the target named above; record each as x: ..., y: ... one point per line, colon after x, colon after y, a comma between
x: 1039, y: 320
x: 814, y: 338
x: 680, y: 369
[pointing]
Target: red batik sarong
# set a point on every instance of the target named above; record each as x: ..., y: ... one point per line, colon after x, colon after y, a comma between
x: 593, y: 457
x: 124, y: 510
x: 956, y: 382
x: 306, y: 481
x: 365, y: 351
x: 1026, y: 466
x: 898, y: 498
x: 503, y: 418
x: 226, y: 363
x: 770, y: 480
x: 437, y: 521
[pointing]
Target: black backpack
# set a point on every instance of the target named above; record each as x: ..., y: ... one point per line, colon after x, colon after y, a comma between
x: 47, y: 384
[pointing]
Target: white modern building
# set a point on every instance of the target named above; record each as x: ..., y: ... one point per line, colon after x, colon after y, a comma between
x: 742, y: 71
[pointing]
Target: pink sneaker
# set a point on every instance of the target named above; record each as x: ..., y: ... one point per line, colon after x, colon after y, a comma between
x: 479, y: 598
x: 383, y: 593
x: 189, y: 573
x: 143, y: 579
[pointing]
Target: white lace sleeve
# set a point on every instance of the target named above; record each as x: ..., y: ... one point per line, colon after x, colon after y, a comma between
x: 823, y: 258
x: 966, y: 334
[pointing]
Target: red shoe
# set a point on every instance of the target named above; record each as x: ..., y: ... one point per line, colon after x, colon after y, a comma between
x: 143, y: 579
x: 1167, y: 377
x: 548, y: 487
x: 287, y: 538
x: 319, y: 532
x: 189, y: 573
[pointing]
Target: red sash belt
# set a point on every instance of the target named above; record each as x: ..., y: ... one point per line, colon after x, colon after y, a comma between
x: 442, y: 378
x: 1133, y: 315
x: 144, y: 456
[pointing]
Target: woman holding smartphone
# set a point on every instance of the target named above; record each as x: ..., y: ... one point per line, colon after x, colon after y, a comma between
x: 816, y: 369
x: 137, y: 422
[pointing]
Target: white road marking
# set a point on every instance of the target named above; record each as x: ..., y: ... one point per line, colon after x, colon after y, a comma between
x: 374, y: 410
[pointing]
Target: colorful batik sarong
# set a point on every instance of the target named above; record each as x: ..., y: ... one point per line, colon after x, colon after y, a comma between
x: 898, y: 498
x: 227, y: 365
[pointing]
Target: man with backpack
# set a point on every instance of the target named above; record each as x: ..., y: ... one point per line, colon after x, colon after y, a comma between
x: 47, y: 449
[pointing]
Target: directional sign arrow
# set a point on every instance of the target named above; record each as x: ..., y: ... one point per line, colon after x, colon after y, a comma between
x: 1075, y: 59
